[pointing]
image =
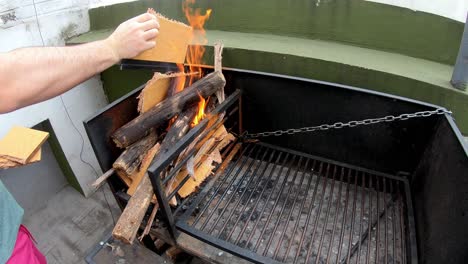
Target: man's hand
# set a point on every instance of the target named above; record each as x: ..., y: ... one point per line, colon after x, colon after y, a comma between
x: 134, y: 36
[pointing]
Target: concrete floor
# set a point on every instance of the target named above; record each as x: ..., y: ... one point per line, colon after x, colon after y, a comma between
x: 69, y: 225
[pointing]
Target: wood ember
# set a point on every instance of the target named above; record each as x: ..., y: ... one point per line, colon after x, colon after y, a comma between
x: 138, y: 127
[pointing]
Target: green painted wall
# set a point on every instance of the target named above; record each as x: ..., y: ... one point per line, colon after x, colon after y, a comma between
x: 117, y: 83
x: 355, y: 22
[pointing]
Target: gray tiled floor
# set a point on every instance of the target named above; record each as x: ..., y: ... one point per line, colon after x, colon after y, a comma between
x: 70, y: 224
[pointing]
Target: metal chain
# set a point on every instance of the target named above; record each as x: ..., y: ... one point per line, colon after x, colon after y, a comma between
x: 338, y: 125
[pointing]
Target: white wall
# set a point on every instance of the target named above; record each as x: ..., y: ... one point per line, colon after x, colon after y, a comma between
x: 454, y: 9
x: 58, y: 20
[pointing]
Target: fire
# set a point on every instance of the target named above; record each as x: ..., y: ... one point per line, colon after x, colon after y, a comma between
x: 195, y: 53
x: 201, y: 111
x: 180, y: 80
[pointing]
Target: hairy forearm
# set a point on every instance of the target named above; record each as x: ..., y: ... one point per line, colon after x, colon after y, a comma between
x: 31, y: 75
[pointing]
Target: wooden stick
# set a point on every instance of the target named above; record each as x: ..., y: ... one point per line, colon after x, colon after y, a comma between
x: 149, y: 224
x: 138, y: 127
x: 100, y: 181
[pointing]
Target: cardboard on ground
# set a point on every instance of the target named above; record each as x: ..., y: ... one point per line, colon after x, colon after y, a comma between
x: 6, y: 163
x: 21, y: 143
x: 171, y: 43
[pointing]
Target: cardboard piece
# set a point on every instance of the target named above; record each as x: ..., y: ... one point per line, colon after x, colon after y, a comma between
x: 171, y: 43
x: 6, y: 163
x: 157, y: 88
x: 21, y: 143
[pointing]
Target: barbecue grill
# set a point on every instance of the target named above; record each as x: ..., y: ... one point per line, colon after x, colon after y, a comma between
x: 390, y: 192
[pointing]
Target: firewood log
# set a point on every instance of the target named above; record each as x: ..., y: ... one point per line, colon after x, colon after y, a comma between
x: 131, y: 158
x: 129, y: 222
x: 138, y: 127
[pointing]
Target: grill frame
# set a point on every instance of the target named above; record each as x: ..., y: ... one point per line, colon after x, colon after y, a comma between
x: 431, y: 134
x: 409, y: 235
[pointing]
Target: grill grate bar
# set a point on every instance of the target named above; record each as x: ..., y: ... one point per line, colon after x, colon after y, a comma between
x: 292, y: 208
x: 309, y: 214
x: 256, y: 202
x: 345, y: 214
x: 242, y: 157
x: 257, y: 184
x: 326, y: 217
x: 336, y: 217
x: 300, y: 211
x: 277, y: 223
x: 230, y: 194
x: 275, y: 204
x: 311, y: 243
x: 279, y: 205
x: 266, y: 201
x: 402, y: 240
x: 233, y: 209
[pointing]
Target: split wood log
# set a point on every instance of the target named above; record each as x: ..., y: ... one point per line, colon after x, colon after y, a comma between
x: 124, y: 177
x: 134, y: 212
x: 138, y: 127
x: 131, y: 158
x: 201, y: 165
x: 127, y: 163
x: 218, y: 51
x: 129, y: 222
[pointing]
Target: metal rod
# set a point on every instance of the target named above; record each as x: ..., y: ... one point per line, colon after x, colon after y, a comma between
x: 363, y: 189
x: 266, y: 201
x: 393, y: 224
x: 377, y: 236
x: 386, y: 220
x: 260, y: 177
x: 275, y: 204
x: 327, y: 214
x: 345, y: 214
x: 304, y: 193
x: 318, y: 214
x: 252, y: 176
x: 368, y: 231
x: 207, y: 220
x: 402, y: 228
x: 336, y: 215
x: 292, y: 207
x: 258, y: 200
x: 369, y: 192
x: 241, y: 157
x: 311, y: 207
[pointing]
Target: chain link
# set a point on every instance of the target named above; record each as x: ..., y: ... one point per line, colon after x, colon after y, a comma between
x: 339, y: 125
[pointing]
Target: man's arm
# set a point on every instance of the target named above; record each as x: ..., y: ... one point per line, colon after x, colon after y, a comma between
x: 32, y: 75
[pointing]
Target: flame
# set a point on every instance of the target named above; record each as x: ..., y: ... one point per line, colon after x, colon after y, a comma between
x: 201, y: 111
x: 195, y: 53
x: 180, y: 80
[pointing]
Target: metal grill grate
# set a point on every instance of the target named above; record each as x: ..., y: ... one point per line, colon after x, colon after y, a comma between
x: 273, y: 204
